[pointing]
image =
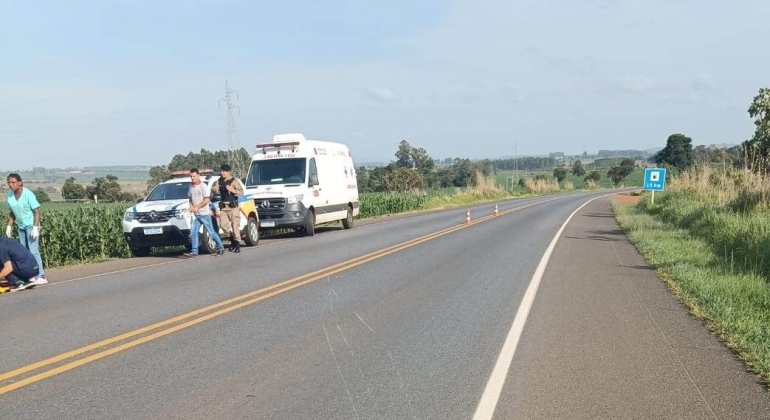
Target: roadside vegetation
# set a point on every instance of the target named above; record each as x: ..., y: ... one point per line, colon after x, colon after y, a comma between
x: 708, y: 234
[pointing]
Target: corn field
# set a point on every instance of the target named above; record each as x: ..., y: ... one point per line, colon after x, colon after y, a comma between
x: 80, y: 234
x: 380, y: 204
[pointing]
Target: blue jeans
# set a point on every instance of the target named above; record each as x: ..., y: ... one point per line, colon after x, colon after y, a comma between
x: 33, y: 245
x: 21, y: 276
x: 196, y: 225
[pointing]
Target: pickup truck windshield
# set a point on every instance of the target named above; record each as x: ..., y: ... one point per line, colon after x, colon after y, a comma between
x: 278, y: 171
x: 171, y: 191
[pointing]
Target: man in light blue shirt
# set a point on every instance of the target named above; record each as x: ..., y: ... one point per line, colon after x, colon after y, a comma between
x: 25, y: 214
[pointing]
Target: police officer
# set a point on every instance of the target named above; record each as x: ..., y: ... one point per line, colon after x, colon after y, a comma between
x: 230, y: 188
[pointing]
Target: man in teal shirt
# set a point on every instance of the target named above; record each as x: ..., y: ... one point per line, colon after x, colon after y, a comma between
x: 25, y: 214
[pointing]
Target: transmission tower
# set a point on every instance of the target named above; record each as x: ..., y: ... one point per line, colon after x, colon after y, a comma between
x: 239, y: 169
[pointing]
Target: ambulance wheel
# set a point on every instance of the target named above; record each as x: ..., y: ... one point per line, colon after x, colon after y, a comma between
x: 141, y: 252
x: 252, y: 232
x: 347, y: 222
x: 310, y: 223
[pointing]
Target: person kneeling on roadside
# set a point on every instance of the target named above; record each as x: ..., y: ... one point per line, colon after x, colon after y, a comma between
x: 18, y: 266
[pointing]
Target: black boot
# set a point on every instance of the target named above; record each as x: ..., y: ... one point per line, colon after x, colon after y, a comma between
x: 236, y: 247
x: 232, y: 243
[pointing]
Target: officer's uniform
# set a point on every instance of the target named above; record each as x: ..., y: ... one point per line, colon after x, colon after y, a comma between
x: 230, y: 215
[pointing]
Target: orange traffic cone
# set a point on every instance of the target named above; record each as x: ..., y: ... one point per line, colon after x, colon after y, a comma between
x: 497, y: 212
x: 468, y: 217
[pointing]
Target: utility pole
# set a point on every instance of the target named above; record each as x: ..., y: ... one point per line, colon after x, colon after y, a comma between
x: 239, y: 169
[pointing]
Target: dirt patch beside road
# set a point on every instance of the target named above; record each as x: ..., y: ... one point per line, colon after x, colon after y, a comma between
x: 628, y: 198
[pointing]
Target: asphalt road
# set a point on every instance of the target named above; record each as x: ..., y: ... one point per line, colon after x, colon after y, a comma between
x: 403, y: 319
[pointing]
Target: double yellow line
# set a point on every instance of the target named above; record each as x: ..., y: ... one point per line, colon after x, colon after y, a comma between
x: 96, y: 351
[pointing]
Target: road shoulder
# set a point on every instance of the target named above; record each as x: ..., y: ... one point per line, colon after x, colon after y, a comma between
x: 606, y: 339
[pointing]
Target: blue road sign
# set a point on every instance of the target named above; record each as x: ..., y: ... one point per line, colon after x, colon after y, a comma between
x: 654, y: 179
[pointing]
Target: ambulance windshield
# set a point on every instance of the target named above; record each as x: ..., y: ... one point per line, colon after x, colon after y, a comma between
x: 278, y: 171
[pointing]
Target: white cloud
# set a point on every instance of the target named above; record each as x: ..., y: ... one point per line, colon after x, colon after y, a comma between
x: 382, y: 95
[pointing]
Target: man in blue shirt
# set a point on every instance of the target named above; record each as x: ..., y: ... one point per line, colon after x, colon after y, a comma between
x: 25, y: 214
x: 18, y: 265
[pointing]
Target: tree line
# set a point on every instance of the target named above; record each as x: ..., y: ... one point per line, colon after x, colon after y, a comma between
x: 413, y: 169
x: 103, y: 188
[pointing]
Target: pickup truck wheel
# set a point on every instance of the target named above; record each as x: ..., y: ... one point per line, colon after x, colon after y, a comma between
x: 207, y: 243
x: 141, y: 252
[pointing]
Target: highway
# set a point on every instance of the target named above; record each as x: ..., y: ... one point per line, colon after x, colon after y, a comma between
x: 409, y: 318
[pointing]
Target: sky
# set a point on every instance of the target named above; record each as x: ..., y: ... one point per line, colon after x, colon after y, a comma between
x: 134, y: 82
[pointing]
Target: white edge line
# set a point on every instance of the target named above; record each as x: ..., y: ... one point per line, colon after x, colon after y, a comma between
x: 488, y: 402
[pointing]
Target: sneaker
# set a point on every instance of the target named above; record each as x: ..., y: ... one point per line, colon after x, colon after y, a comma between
x: 18, y: 286
x: 36, y: 281
x: 219, y: 253
x: 190, y: 254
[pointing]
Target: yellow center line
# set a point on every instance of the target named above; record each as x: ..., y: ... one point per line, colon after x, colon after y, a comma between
x: 245, y: 300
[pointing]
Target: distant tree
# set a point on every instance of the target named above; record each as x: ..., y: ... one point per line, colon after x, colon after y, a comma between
x: 721, y: 157
x: 678, y: 152
x: 403, y: 179
x: 403, y: 155
x: 413, y: 157
x: 377, y: 178
x: 527, y: 163
x: 702, y: 155
x: 463, y: 173
x: 578, y: 169
x: 759, y: 145
x: 210, y: 160
x: 128, y: 197
x: 42, y: 195
x: 629, y: 163
x: 158, y: 174
x: 487, y: 168
x: 594, y: 176
x: 618, y: 173
x: 560, y: 172
x: 105, y: 188
x: 71, y: 190
x: 362, y: 179
x: 422, y: 161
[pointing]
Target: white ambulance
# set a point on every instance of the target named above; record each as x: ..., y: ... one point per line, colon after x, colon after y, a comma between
x: 299, y: 183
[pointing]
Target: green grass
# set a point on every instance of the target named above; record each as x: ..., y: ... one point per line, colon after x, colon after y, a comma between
x: 713, y: 260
